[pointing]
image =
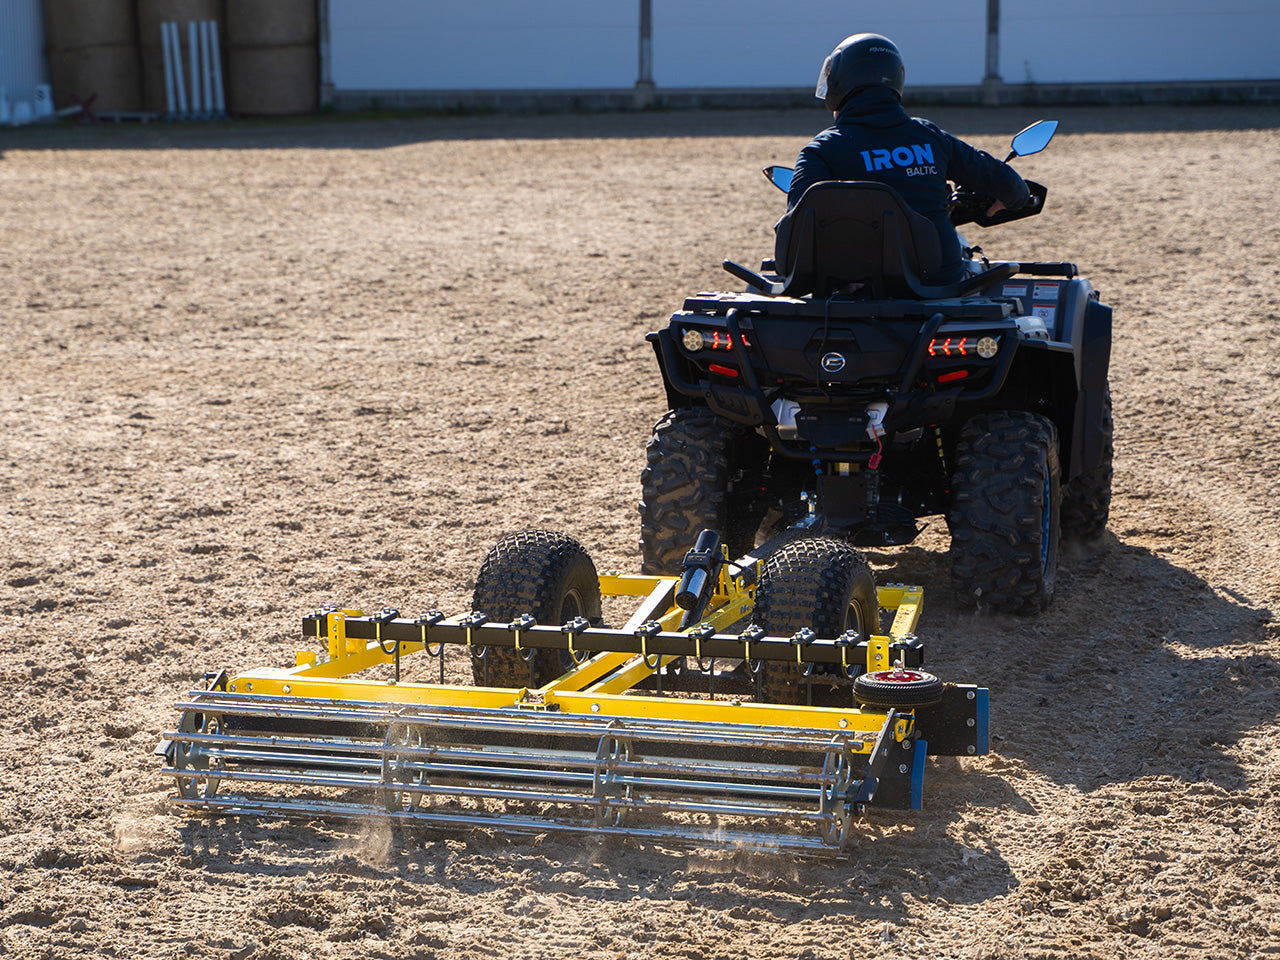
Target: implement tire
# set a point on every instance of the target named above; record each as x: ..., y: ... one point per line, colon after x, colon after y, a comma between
x: 897, y: 689
x: 538, y: 572
x: 692, y: 482
x: 1004, y: 513
x: 820, y: 583
x: 1086, y: 500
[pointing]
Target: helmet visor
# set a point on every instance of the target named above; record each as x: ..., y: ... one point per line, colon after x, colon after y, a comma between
x: 824, y: 76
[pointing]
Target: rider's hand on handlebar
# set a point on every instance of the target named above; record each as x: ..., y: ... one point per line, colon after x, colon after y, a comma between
x: 995, y: 208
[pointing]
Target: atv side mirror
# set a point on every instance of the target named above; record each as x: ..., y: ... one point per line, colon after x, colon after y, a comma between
x: 780, y: 177
x: 1032, y: 139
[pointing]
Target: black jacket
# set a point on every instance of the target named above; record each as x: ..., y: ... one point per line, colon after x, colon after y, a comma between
x: 874, y: 139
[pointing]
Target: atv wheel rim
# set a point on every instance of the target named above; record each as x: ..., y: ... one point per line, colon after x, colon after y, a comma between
x: 853, y: 620
x: 571, y: 606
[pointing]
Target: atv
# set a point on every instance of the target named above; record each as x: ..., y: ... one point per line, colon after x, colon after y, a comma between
x: 842, y: 398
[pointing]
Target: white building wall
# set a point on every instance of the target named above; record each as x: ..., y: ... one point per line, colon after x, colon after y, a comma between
x: 765, y: 43
x: 1103, y: 41
x: 22, y: 63
x: 593, y: 44
x: 483, y: 44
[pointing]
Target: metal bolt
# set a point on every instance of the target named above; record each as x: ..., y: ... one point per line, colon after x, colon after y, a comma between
x: 902, y: 768
x: 971, y: 695
x: 906, y: 744
x: 249, y: 687
x: 233, y: 688
x: 971, y: 722
x: 844, y: 723
x: 972, y: 749
x: 286, y: 689
x: 595, y: 708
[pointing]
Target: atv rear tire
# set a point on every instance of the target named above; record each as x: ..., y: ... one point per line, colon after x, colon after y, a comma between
x: 1004, y: 514
x: 688, y: 486
x: 1086, y: 500
x: 820, y: 583
x: 538, y: 572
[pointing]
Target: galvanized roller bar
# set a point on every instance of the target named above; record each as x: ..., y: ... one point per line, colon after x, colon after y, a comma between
x: 443, y: 765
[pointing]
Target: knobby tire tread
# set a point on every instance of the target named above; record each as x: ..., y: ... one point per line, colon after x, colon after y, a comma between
x: 685, y: 490
x: 531, y: 572
x: 1086, y: 500
x: 811, y: 583
x: 996, y: 516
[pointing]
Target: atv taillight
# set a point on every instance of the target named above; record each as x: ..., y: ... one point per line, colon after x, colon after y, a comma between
x: 949, y: 347
x: 695, y: 339
x: 953, y: 375
x: 964, y: 346
x: 721, y: 369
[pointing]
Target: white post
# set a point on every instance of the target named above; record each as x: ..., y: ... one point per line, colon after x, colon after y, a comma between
x: 193, y: 50
x: 206, y: 68
x: 178, y: 83
x: 991, y: 81
x: 644, y: 91
x: 169, y: 95
x: 220, y: 103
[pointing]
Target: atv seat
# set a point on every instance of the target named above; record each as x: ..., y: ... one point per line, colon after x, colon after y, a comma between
x: 845, y: 232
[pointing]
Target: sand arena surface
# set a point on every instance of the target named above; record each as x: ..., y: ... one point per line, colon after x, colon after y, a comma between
x: 259, y: 369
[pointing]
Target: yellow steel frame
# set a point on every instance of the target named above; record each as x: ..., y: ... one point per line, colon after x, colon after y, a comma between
x: 598, y: 685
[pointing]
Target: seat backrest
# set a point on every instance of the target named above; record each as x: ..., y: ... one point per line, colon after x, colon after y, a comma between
x: 854, y: 231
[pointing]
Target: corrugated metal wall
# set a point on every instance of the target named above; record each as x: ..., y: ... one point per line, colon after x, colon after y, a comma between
x: 1103, y: 41
x: 592, y: 44
x: 483, y: 44
x: 763, y: 43
x: 22, y: 63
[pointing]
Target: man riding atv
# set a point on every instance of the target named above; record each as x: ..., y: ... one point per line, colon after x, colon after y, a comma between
x: 873, y: 139
x: 875, y: 374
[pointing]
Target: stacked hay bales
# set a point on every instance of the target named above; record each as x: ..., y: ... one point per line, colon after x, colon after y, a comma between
x: 93, y: 49
x: 272, y: 57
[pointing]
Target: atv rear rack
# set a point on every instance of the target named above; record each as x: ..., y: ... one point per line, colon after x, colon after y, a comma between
x: 604, y: 749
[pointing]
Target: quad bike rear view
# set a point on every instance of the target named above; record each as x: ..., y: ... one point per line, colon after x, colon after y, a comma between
x: 843, y: 397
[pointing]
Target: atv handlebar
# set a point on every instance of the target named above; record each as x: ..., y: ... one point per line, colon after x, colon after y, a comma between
x: 972, y: 208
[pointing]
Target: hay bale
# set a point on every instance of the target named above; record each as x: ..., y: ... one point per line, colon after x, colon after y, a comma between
x: 76, y: 24
x: 272, y: 81
x: 280, y: 23
x: 112, y: 72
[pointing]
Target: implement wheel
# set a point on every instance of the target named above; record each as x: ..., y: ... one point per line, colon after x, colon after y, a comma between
x: 700, y: 475
x: 820, y: 583
x: 1004, y: 512
x: 538, y: 572
x: 897, y: 689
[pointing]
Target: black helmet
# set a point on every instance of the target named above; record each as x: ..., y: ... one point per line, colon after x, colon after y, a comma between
x: 863, y: 60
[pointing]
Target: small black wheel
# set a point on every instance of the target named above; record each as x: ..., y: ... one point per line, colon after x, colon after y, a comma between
x: 548, y: 575
x: 702, y: 473
x: 819, y: 583
x: 1004, y: 515
x: 1086, y: 500
x: 897, y: 689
